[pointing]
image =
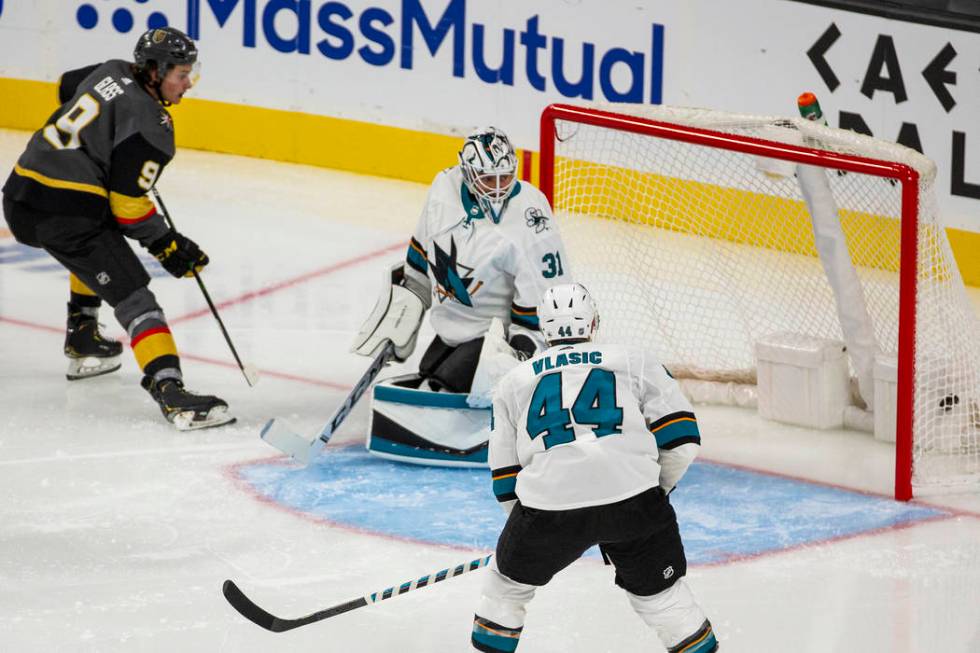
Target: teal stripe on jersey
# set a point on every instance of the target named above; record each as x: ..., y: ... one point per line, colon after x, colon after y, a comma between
x: 675, y: 430
x: 528, y: 321
x: 503, y: 488
x: 415, y: 258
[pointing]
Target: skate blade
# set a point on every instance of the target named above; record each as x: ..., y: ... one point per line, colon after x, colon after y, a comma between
x: 217, y: 416
x: 89, y: 366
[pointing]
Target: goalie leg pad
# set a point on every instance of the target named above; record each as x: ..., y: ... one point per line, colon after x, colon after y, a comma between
x: 417, y: 425
x: 677, y: 618
x: 397, y: 316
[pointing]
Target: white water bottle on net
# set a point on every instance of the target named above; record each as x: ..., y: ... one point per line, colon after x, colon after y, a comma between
x: 703, y: 234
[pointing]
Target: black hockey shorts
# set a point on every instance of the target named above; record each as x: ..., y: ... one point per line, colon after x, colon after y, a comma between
x: 94, y: 250
x: 451, y: 367
x: 639, y: 536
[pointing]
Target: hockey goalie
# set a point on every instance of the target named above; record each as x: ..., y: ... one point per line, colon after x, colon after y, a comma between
x: 485, y: 250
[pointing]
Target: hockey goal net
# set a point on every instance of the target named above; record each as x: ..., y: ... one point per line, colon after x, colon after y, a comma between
x: 696, y: 233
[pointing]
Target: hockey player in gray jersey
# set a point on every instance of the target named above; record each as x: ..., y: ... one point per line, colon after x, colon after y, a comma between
x: 79, y: 190
x: 485, y: 247
x: 588, y: 440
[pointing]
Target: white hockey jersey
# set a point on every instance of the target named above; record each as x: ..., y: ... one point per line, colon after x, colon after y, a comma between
x: 586, y: 425
x: 475, y: 269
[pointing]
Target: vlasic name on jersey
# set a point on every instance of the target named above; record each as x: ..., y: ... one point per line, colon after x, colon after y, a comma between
x: 553, y: 361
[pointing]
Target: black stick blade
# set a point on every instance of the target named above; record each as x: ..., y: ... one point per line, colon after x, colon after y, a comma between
x: 248, y: 609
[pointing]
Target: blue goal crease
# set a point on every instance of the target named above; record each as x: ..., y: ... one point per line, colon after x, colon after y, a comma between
x: 725, y: 513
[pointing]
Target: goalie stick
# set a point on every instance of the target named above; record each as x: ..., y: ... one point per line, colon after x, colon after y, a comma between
x: 283, y: 438
x: 248, y: 371
x: 248, y: 609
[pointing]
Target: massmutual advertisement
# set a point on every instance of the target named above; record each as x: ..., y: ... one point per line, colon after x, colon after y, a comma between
x: 441, y: 67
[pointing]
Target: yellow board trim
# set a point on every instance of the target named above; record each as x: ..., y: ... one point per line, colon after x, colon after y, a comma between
x: 60, y: 183
x: 35, y: 103
x: 295, y: 137
x: 338, y: 143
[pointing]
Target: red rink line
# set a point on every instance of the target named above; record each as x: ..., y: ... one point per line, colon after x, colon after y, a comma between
x: 288, y: 283
x: 270, y: 373
x: 32, y: 325
x: 815, y: 544
x: 233, y: 474
x: 925, y: 503
x: 191, y: 357
x: 262, y: 292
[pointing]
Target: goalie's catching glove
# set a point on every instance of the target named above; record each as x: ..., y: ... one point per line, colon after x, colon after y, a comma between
x: 397, y: 316
x: 178, y: 254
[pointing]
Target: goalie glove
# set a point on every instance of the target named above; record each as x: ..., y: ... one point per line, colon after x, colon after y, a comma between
x: 397, y: 317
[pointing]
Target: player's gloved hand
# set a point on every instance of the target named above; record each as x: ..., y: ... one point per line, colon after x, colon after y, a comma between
x: 524, y: 347
x: 179, y: 255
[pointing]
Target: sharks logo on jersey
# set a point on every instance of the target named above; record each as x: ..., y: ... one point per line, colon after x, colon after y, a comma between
x: 536, y: 219
x: 473, y: 269
x: 452, y: 276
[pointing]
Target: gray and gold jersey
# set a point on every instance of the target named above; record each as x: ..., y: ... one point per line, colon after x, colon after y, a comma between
x: 103, y: 149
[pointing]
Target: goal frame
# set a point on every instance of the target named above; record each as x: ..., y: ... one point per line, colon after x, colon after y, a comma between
x: 903, y: 174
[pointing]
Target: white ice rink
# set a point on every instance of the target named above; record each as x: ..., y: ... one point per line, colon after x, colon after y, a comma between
x: 116, y: 531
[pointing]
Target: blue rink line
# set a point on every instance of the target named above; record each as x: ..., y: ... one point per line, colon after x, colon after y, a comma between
x: 724, y: 513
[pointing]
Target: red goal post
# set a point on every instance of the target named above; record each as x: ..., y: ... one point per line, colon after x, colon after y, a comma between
x: 652, y: 174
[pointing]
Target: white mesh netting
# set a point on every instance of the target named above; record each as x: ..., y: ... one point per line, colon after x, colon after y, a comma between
x: 699, y: 251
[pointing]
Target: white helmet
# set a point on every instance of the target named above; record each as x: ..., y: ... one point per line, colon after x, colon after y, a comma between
x: 567, y: 312
x: 489, y: 168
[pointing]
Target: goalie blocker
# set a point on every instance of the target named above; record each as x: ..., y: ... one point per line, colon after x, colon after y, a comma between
x: 396, y: 317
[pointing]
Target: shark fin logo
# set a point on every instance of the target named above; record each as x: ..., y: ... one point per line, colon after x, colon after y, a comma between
x: 452, y: 276
x: 536, y: 219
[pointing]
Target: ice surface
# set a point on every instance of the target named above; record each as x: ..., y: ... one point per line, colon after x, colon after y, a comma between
x: 116, y: 532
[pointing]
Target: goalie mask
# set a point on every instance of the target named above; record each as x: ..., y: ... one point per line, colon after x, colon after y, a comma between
x: 567, y: 313
x: 489, y: 168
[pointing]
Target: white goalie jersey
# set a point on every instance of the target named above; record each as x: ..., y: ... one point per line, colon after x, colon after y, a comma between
x: 475, y: 269
x: 585, y: 425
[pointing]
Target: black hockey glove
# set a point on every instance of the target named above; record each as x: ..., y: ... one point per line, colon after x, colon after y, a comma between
x: 178, y: 254
x: 523, y: 346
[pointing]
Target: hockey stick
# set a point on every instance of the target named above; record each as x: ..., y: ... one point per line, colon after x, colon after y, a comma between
x: 251, y: 374
x: 258, y: 616
x: 283, y: 438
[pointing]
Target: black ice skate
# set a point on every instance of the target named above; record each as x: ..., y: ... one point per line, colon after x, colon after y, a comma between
x: 89, y: 353
x: 186, y: 410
